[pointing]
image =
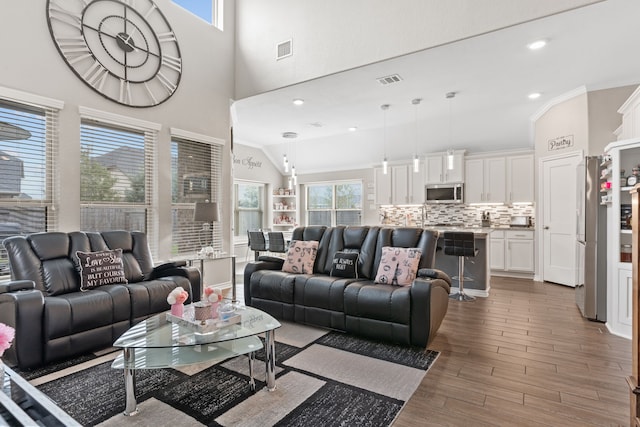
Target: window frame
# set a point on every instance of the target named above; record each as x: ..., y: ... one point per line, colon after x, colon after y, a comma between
x: 262, y: 209
x: 333, y: 209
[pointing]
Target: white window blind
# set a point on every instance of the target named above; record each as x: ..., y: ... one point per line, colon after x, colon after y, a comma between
x: 116, y: 178
x: 196, y: 172
x: 28, y: 187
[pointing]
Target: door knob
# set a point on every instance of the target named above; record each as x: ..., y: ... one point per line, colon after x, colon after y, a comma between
x: 546, y: 227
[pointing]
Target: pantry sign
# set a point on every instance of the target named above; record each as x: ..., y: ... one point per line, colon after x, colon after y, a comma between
x: 560, y: 143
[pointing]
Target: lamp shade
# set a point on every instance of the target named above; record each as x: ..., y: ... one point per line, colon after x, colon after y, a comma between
x: 206, y: 212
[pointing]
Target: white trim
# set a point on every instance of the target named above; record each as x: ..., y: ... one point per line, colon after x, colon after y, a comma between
x: 117, y: 119
x: 629, y: 101
x: 196, y: 137
x: 29, y: 98
x: 557, y: 100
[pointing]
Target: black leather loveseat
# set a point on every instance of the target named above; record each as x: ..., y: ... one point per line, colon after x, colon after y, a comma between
x: 54, y: 319
x: 404, y: 314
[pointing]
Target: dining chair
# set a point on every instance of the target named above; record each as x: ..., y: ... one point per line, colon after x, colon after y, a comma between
x: 276, y: 242
x: 257, y: 243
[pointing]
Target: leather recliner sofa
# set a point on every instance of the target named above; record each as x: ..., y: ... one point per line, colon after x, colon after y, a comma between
x: 403, y: 314
x: 54, y: 319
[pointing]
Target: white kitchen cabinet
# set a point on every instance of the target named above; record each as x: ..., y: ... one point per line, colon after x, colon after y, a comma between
x: 437, y: 168
x: 520, y: 175
x: 512, y: 251
x: 485, y: 180
x: 383, y: 187
x: 400, y: 186
x: 623, y: 301
x: 519, y: 251
x: 417, y: 184
x: 497, y: 250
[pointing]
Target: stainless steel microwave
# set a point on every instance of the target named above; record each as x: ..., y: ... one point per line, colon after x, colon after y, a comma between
x: 444, y: 193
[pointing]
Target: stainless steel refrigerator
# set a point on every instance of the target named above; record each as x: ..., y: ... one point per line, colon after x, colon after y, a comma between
x: 591, y: 287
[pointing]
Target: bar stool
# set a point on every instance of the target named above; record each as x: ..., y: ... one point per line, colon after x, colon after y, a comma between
x: 257, y: 243
x: 461, y: 244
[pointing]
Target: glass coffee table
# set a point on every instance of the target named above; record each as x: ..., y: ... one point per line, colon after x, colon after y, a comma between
x: 159, y: 343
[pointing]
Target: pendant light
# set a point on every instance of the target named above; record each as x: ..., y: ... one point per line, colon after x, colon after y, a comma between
x: 385, y: 163
x: 450, y: 96
x: 416, y: 160
x: 286, y: 164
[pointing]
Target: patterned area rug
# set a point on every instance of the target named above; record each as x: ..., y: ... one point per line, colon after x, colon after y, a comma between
x: 323, y: 379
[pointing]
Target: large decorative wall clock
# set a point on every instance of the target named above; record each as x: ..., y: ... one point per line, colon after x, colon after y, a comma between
x: 123, y: 49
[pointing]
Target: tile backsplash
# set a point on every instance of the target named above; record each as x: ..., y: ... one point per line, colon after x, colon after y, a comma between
x: 500, y: 215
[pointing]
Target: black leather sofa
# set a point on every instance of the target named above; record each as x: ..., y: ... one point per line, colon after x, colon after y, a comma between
x: 403, y: 314
x: 54, y: 319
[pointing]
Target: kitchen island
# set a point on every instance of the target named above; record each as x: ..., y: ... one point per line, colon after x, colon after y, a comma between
x: 477, y: 268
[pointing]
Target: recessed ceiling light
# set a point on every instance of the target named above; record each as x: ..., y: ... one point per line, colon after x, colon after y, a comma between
x: 538, y: 44
x: 353, y: 128
x: 298, y: 101
x: 289, y: 135
x: 534, y: 95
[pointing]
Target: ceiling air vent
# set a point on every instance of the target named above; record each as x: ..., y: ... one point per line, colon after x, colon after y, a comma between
x: 386, y: 80
x: 284, y: 49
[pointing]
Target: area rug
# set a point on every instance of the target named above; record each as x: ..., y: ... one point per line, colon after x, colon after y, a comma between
x: 323, y: 379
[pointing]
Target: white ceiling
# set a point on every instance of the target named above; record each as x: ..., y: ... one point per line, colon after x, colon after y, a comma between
x: 594, y: 47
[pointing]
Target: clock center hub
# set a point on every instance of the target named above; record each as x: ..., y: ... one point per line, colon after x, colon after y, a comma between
x: 125, y: 42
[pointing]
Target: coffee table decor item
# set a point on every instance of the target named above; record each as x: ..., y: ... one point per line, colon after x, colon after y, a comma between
x: 176, y: 299
x: 214, y: 296
x: 197, y: 325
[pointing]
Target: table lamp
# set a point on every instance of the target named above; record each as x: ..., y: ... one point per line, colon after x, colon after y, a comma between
x: 206, y: 212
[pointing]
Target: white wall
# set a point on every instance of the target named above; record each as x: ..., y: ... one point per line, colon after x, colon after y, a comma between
x: 329, y: 36
x: 32, y: 64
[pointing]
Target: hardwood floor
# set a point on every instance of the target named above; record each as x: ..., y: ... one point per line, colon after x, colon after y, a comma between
x: 523, y: 357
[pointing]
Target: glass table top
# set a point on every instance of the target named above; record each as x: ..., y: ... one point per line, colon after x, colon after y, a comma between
x: 158, y: 332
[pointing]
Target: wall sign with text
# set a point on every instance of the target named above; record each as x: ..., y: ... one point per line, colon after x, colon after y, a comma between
x: 560, y: 143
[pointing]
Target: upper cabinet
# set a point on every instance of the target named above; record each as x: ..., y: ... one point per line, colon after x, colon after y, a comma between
x: 400, y: 186
x: 520, y: 175
x: 504, y: 179
x: 383, y: 187
x: 485, y: 180
x: 437, y: 168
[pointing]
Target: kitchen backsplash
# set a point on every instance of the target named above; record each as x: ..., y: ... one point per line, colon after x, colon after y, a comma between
x: 499, y: 215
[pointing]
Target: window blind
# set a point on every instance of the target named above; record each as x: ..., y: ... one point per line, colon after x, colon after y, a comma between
x: 28, y: 187
x: 116, y: 178
x: 196, y: 173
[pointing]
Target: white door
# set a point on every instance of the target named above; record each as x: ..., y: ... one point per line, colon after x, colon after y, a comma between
x: 558, y: 225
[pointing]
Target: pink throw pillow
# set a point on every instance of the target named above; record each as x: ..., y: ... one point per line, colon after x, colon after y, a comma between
x: 301, y: 257
x: 398, y: 266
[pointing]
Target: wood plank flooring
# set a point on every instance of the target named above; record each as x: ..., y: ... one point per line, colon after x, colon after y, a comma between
x: 523, y: 357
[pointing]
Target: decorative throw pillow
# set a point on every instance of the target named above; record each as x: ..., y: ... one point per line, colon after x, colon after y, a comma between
x: 398, y: 266
x: 100, y: 268
x: 345, y: 264
x: 301, y: 256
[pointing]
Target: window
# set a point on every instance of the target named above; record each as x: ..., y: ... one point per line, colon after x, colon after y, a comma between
x: 249, y: 209
x: 28, y: 150
x: 334, y: 204
x: 212, y: 11
x: 116, y: 176
x: 196, y: 174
